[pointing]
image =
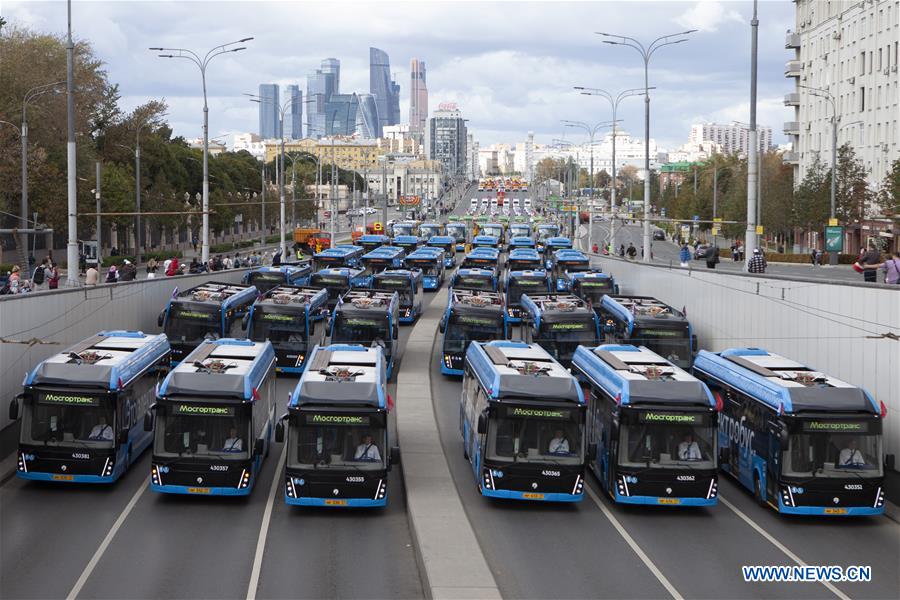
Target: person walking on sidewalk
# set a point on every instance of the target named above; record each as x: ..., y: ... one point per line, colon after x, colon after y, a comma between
x: 870, y: 261
x: 685, y: 255
x: 757, y: 262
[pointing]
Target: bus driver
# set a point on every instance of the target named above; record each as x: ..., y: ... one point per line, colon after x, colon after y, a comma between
x: 101, y: 431
x: 233, y: 443
x: 559, y: 444
x: 367, y: 450
x: 851, y: 456
x: 688, y: 449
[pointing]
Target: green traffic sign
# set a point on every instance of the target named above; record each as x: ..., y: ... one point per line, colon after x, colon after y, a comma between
x: 834, y: 239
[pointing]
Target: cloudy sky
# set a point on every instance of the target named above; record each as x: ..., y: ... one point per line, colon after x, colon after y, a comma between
x: 510, y: 66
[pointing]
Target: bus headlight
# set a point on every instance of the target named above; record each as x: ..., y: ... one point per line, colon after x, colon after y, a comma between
x: 713, y: 489
x: 488, y: 480
x: 108, y: 467
x: 245, y: 480
x: 622, y: 484
x: 154, y: 475
x: 579, y: 485
x: 448, y: 361
x: 381, y: 490
x: 289, y: 487
x: 879, y: 498
x: 787, y: 495
x: 20, y: 463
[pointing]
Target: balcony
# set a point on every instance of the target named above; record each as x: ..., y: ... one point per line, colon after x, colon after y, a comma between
x: 792, y: 68
x: 792, y: 99
x: 792, y: 128
x: 791, y: 158
x: 791, y: 40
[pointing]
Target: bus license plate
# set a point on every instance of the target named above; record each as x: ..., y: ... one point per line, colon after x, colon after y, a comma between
x: 335, y: 502
x: 835, y: 511
x: 198, y: 490
x: 669, y: 501
x: 530, y: 496
x: 63, y: 478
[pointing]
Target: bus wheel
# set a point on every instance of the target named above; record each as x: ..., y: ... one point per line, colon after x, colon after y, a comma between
x: 757, y: 491
x: 465, y: 452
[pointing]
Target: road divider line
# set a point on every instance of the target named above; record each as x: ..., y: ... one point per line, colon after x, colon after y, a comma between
x: 92, y: 564
x: 264, y: 527
x: 784, y: 549
x: 634, y: 545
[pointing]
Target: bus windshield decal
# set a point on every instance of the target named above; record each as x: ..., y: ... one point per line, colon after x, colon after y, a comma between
x: 277, y: 317
x: 539, y: 413
x: 363, y: 322
x: 529, y: 282
x: 268, y: 277
x: 476, y: 321
x: 676, y: 418
x: 835, y: 426
x: 339, y: 280
x: 594, y: 283
x: 351, y: 420
x: 73, y: 399
x: 193, y: 314
x: 570, y: 326
x: 394, y: 282
x: 206, y: 411
x: 659, y: 333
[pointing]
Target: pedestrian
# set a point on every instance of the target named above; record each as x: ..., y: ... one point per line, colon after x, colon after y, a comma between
x: 757, y: 262
x: 735, y: 252
x: 152, y: 268
x: 685, y: 255
x: 53, y: 276
x: 172, y: 267
x: 82, y: 262
x: 891, y: 268
x: 15, y: 281
x: 632, y: 251
x: 622, y: 250
x: 812, y: 257
x: 712, y: 257
x: 91, y: 276
x: 869, y: 261
x: 39, y: 276
x: 112, y: 275
x: 276, y: 258
x: 128, y: 271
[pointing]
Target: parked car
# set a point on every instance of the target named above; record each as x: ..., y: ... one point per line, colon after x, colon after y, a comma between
x: 659, y: 234
x: 700, y: 252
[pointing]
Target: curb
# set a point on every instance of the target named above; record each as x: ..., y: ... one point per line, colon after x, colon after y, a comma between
x: 451, y: 562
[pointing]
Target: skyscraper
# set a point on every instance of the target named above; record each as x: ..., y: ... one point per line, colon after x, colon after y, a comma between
x: 394, y: 106
x: 293, y: 117
x: 380, y: 85
x: 445, y: 139
x: 418, y: 98
x: 268, y: 111
x: 367, y: 117
x: 340, y: 114
x: 332, y: 66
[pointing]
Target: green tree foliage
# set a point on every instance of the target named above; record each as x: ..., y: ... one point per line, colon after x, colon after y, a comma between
x: 812, y: 196
x: 852, y: 195
x: 889, y: 195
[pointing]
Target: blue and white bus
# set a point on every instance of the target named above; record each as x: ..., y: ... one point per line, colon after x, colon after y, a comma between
x: 459, y: 232
x: 215, y: 413
x: 565, y: 264
x: 592, y: 285
x: 337, y: 282
x: 560, y: 323
x: 516, y: 283
x: 448, y: 245
x: 208, y: 311
x: 408, y: 284
x: 379, y: 259
x: 494, y: 230
x: 430, y: 261
x: 482, y: 258
x: 521, y: 417
x: 524, y: 259
x: 292, y: 318
x: 338, y: 444
x: 403, y: 228
x: 371, y: 241
x: 265, y: 278
x: 804, y: 442
x: 546, y: 231
x: 371, y: 318
x: 470, y: 315
x: 653, y: 425
x: 409, y: 243
x: 520, y: 242
x: 486, y: 241
x: 646, y: 321
x: 551, y: 245
x: 81, y: 408
x: 430, y: 230
x: 342, y: 255
x: 520, y: 230
x: 485, y: 280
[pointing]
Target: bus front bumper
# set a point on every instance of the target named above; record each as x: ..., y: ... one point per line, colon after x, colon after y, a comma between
x: 831, y: 511
x: 336, y: 503
x: 661, y: 501
x: 532, y: 497
x: 200, y: 490
x: 63, y: 478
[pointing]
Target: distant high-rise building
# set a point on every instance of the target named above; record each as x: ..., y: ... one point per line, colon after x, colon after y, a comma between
x: 394, y: 106
x: 445, y: 139
x: 293, y: 116
x: 367, y: 117
x: 332, y: 66
x: 381, y: 86
x: 340, y: 114
x: 734, y: 138
x: 269, y: 104
x: 418, y: 98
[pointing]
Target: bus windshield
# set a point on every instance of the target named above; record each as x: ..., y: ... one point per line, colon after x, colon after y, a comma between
x: 68, y: 419
x: 561, y: 339
x: 547, y: 231
x: 348, y: 441
x: 335, y: 284
x: 474, y: 282
x: 666, y: 440
x: 401, y: 285
x: 403, y: 229
x: 189, y: 324
x: 672, y: 344
x: 519, y: 231
x: 516, y: 287
x: 462, y: 329
x: 429, y: 230
x: 493, y: 230
x: 518, y: 264
x: 279, y: 328
x: 360, y: 330
x: 830, y: 448
x: 328, y: 262
x: 529, y: 434
x: 265, y: 281
x: 457, y: 231
x: 592, y: 290
x: 202, y: 430
x: 428, y: 267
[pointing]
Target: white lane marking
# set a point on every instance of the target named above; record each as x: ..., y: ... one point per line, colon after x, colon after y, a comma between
x: 264, y: 527
x: 778, y: 545
x: 107, y: 540
x: 634, y: 546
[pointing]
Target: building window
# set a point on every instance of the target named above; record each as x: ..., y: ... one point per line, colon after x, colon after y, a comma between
x: 862, y: 99
x: 862, y: 63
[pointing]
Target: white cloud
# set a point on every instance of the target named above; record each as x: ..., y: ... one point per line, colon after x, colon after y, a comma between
x: 707, y: 15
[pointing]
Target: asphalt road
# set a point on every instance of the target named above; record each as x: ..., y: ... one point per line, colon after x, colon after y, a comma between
x: 169, y: 546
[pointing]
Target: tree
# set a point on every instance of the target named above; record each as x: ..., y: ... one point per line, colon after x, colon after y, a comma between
x: 812, y: 198
x: 888, y: 198
x: 852, y: 194
x: 549, y: 168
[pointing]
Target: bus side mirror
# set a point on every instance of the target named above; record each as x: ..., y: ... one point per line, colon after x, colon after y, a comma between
x: 123, y: 436
x: 394, y: 456
x: 279, y: 432
x: 148, y: 421
x: 14, y: 408
x: 695, y: 347
x: 259, y: 447
x: 889, y: 461
x: 161, y: 319
x: 482, y: 424
x: 442, y: 325
x: 396, y: 331
x: 607, y: 328
x: 245, y: 321
x: 783, y: 438
x: 592, y: 452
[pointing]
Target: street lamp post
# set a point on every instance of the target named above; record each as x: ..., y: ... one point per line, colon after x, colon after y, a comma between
x: 591, y: 131
x: 822, y: 93
x: 202, y: 64
x: 646, y: 52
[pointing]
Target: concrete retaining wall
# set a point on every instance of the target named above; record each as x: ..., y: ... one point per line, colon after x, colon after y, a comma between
x: 843, y: 330
x: 52, y: 321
